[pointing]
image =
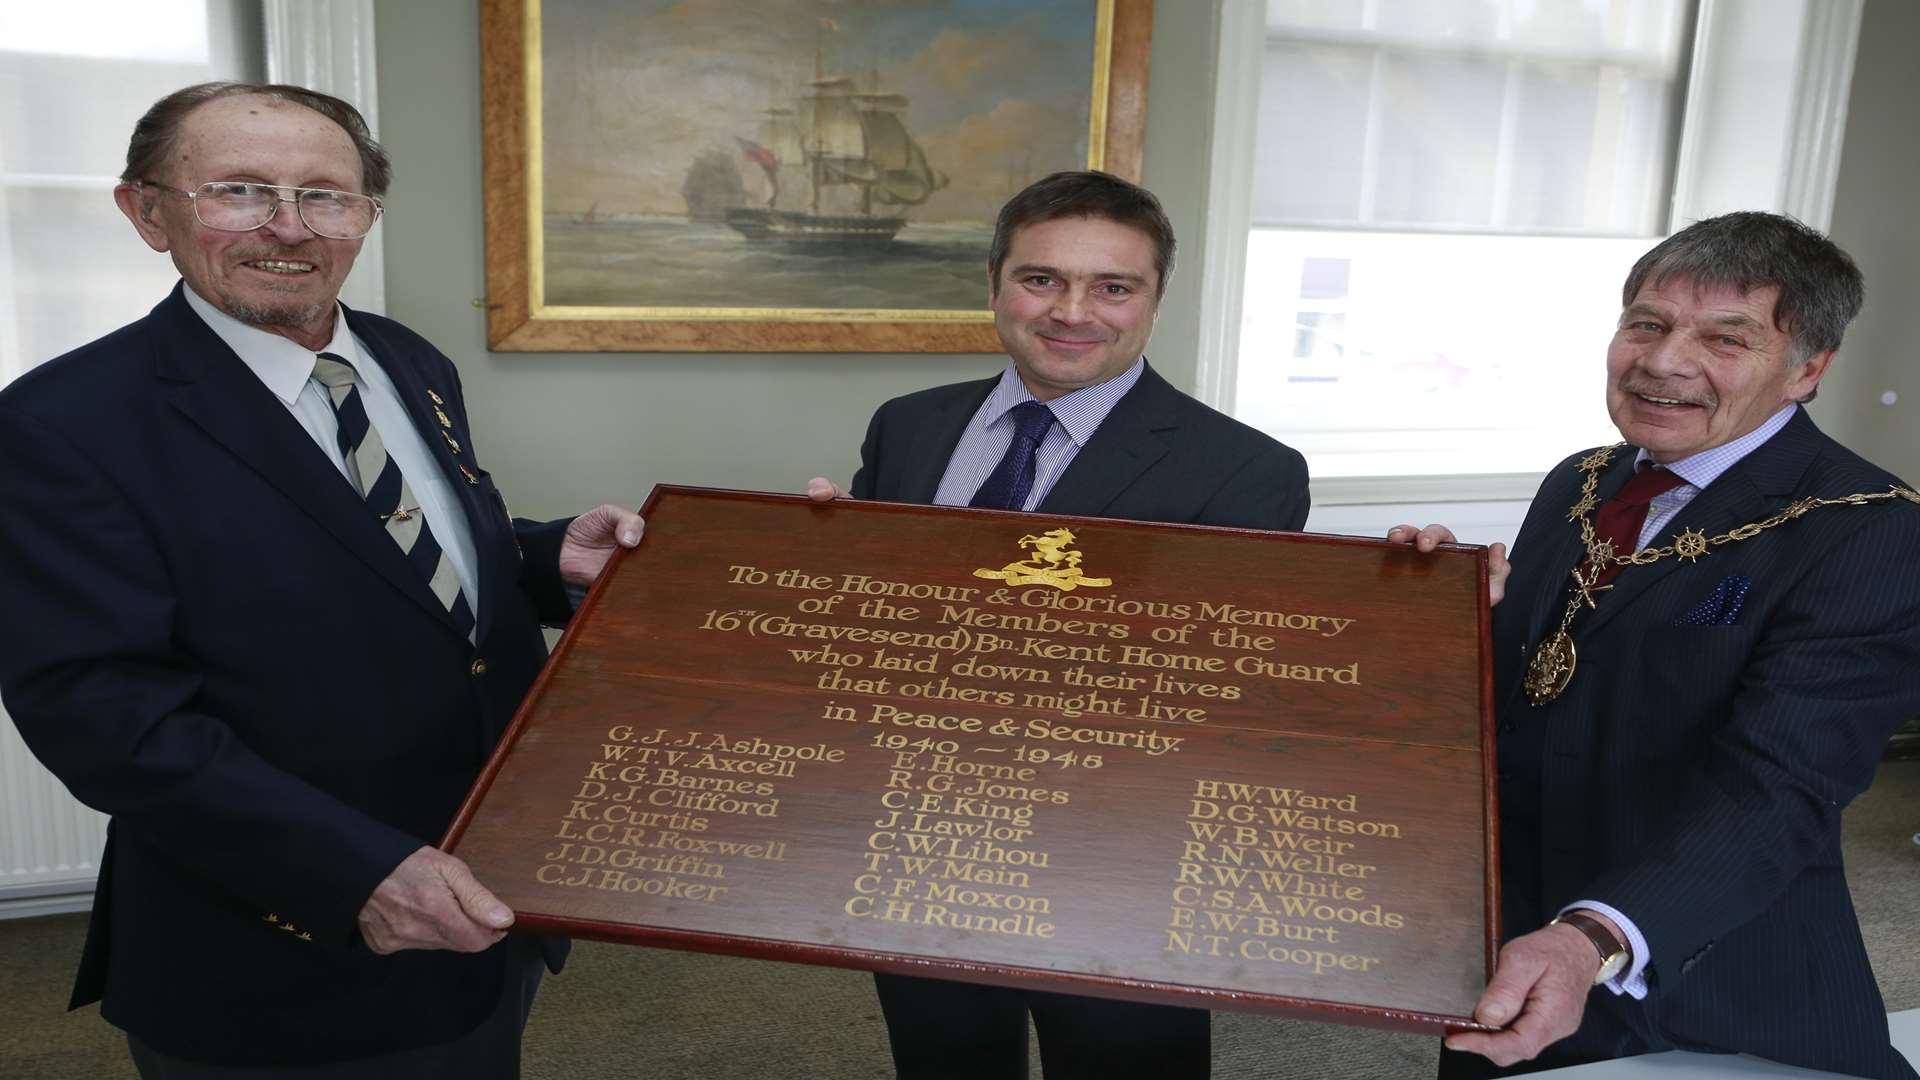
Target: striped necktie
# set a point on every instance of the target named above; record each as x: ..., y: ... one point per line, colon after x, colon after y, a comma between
x: 379, y: 481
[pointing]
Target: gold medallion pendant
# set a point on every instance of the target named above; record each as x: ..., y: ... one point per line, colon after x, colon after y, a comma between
x: 1551, y: 668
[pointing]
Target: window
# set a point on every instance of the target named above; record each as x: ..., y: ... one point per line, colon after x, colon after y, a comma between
x: 72, y: 84
x: 73, y: 79
x: 1446, y: 195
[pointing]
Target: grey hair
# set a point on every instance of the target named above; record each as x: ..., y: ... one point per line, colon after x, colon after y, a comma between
x: 154, y: 136
x: 1821, y: 289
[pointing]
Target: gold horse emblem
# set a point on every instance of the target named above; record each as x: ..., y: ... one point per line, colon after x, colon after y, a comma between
x: 1051, y: 564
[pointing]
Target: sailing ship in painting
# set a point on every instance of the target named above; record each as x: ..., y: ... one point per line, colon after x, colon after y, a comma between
x: 841, y: 166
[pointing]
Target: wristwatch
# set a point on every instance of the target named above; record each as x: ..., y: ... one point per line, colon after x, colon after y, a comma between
x: 1614, y: 956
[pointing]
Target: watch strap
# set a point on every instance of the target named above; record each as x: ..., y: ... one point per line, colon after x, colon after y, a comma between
x: 1614, y: 956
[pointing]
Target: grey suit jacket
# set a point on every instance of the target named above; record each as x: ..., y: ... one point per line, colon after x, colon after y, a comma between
x: 1159, y: 456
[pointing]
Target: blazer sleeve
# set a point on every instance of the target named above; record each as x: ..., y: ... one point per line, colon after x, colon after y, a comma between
x: 1268, y: 491
x: 1828, y: 682
x: 866, y: 480
x: 91, y: 678
x: 540, y: 568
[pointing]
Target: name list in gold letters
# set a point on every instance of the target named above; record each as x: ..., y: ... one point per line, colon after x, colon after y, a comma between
x: 1213, y: 767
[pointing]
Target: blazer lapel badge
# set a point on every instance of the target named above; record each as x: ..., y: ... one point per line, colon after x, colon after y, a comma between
x: 446, y: 435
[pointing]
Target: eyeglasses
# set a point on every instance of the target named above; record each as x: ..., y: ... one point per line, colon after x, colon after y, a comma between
x: 239, y: 206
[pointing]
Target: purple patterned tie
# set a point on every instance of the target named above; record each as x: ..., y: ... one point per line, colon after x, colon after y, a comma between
x: 1010, y: 482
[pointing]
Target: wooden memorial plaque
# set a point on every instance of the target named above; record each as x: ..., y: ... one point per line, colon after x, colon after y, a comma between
x: 1209, y: 767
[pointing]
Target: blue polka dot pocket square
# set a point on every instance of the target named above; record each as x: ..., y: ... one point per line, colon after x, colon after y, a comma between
x: 1722, y: 607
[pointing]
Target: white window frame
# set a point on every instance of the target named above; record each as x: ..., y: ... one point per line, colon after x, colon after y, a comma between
x: 1739, y: 51
x: 327, y: 45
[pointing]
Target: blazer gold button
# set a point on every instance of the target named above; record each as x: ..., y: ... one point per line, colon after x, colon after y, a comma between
x: 479, y: 667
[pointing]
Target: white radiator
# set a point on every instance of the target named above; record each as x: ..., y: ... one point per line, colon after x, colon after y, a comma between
x: 49, y: 844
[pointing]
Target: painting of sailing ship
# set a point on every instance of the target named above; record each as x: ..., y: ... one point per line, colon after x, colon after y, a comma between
x: 796, y: 155
x: 837, y: 138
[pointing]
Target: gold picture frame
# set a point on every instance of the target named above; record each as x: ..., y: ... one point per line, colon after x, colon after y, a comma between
x: 528, y: 219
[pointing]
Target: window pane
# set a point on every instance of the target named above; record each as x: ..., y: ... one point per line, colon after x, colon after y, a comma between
x: 1556, y: 116
x: 1470, y: 115
x: 1429, y: 354
x: 1447, y: 195
x: 1439, y: 138
x: 110, y: 29
x: 1470, y: 19
x: 1310, y: 153
x: 71, y: 267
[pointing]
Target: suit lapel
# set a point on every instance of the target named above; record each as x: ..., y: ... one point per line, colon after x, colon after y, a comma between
x: 213, y: 389
x: 939, y: 434
x: 1125, y: 445
x: 1756, y: 486
x: 1562, y: 550
x: 412, y: 388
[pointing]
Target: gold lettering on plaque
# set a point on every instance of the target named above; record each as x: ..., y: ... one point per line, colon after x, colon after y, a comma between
x: 1051, y: 564
x: 1263, y: 879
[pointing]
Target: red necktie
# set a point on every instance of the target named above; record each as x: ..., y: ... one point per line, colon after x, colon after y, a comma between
x: 1621, y: 517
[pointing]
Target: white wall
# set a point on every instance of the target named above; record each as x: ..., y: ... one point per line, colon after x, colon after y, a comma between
x: 1876, y: 218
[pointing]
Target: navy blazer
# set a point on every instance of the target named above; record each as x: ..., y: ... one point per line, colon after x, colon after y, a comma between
x: 1158, y: 456
x: 1721, y: 715
x: 209, y: 637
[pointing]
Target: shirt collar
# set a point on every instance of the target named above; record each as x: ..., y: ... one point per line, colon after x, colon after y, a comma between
x: 283, y: 365
x: 1080, y: 412
x: 1705, y: 467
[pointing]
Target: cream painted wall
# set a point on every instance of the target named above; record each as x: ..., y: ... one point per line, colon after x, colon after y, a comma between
x: 1876, y: 218
x: 561, y: 432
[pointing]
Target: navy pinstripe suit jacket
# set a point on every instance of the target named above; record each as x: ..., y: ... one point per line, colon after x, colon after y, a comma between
x: 1693, y: 775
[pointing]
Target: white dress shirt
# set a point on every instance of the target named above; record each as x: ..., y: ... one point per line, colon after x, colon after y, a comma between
x: 286, y: 369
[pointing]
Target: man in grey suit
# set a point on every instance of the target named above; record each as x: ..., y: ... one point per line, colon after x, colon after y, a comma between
x: 1682, y: 721
x: 1075, y: 423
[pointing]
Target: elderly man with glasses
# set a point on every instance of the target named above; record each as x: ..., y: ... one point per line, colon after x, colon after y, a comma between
x: 266, y: 608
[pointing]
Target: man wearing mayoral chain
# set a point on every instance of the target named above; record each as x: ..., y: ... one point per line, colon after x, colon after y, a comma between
x: 265, y: 608
x: 1709, y: 633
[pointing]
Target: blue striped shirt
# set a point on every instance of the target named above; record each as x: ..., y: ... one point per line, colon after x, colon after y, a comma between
x: 1702, y: 469
x: 1077, y: 414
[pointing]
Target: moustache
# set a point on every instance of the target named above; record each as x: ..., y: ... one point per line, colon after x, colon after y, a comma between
x: 1658, y: 391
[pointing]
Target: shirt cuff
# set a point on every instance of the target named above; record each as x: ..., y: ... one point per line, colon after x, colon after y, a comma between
x: 575, y: 594
x: 1633, y: 981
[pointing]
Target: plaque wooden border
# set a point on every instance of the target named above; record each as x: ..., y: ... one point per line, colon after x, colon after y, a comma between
x: 1135, y: 989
